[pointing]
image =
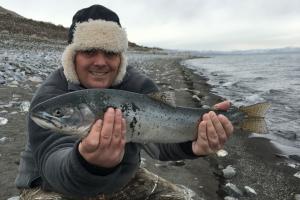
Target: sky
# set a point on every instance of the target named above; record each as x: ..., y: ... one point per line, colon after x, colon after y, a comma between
x: 202, y: 25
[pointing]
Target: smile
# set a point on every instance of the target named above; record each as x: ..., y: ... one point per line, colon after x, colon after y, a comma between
x: 98, y: 74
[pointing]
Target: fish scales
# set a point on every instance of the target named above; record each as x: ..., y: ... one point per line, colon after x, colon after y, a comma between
x: 148, y: 119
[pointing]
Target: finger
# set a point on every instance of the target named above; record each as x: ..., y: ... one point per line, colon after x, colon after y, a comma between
x: 92, y: 141
x: 225, y: 105
x: 205, y: 117
x: 219, y: 128
x: 124, y: 128
x: 213, y: 139
x: 117, y: 130
x: 202, y: 131
x: 200, y: 146
x: 107, y: 128
x: 227, y: 125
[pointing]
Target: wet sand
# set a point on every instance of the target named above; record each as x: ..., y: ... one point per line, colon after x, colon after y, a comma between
x: 254, y: 159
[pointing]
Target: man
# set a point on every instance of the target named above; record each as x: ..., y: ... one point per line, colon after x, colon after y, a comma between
x: 101, y: 165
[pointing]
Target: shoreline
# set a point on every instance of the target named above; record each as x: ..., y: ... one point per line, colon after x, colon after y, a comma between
x: 254, y: 159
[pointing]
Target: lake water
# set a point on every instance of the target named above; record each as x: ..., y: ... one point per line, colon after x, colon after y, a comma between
x: 249, y: 79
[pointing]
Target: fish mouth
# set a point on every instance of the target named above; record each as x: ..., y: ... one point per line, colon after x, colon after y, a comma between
x: 46, y: 120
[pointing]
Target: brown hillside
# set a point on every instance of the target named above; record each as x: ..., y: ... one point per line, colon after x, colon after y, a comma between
x: 13, y: 23
x: 16, y: 24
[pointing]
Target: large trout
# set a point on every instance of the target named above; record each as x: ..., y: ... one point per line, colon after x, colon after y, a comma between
x: 149, y: 118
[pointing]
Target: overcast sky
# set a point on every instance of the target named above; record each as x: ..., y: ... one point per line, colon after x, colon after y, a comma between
x: 186, y: 24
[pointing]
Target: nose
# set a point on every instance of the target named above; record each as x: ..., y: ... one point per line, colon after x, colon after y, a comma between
x: 99, y: 58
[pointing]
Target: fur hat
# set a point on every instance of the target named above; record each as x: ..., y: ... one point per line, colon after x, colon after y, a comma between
x: 95, y: 27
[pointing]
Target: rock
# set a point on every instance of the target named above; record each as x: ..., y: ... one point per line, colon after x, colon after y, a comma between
x: 3, y: 121
x: 170, y: 88
x: 24, y: 106
x: 206, y: 107
x: 36, y: 79
x: 161, y: 165
x: 196, y: 98
x: 14, y: 83
x: 2, y: 81
x: 232, y: 190
x: 297, y: 196
x: 14, y: 113
x: 229, y: 172
x: 297, y: 174
x: 222, y: 153
x: 3, y: 140
x: 250, y: 191
x: 177, y: 163
x: 14, y: 198
x: 230, y: 198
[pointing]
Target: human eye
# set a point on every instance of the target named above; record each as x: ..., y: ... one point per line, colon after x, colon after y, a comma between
x: 110, y: 54
x: 90, y: 52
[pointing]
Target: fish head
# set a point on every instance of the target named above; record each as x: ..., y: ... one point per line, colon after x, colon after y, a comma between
x: 70, y: 118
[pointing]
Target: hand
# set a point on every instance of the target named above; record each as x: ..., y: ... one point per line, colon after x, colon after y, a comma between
x: 213, y: 131
x: 105, y: 144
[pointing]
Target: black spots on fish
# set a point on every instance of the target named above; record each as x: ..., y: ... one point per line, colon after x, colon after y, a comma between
x: 124, y: 107
x: 133, y: 123
x: 135, y: 107
x: 129, y: 107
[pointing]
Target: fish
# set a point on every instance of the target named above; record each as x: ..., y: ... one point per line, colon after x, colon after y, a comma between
x: 149, y: 118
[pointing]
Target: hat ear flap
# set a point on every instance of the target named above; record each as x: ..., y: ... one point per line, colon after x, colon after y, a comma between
x: 122, y: 70
x: 68, y: 62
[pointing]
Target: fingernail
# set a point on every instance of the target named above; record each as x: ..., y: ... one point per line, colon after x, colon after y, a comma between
x: 221, y: 115
x: 212, y: 114
x: 118, y: 111
x: 109, y: 109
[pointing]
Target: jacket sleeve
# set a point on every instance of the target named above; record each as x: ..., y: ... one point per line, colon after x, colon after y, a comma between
x: 58, y: 162
x: 167, y: 152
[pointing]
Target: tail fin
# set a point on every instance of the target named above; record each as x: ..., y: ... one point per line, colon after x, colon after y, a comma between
x: 254, y: 120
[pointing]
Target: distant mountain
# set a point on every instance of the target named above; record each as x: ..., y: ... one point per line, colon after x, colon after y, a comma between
x: 13, y: 23
x: 251, y: 51
x: 4, y: 11
x: 269, y: 51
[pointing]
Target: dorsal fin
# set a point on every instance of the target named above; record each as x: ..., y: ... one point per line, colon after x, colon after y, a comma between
x: 166, y: 97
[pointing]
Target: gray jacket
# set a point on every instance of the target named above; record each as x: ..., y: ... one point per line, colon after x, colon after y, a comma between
x: 52, y: 161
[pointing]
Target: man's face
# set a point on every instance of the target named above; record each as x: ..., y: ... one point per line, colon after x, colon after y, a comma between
x: 96, y: 68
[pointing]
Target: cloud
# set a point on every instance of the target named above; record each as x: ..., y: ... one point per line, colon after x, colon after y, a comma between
x: 189, y: 24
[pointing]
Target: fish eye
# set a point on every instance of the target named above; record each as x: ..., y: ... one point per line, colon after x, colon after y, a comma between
x: 57, y: 113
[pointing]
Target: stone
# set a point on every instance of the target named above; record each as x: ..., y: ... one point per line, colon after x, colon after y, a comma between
x: 222, y: 153
x: 3, y: 121
x: 233, y: 190
x: 297, y: 174
x: 14, y: 198
x: 24, y: 106
x: 250, y: 191
x: 229, y: 172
